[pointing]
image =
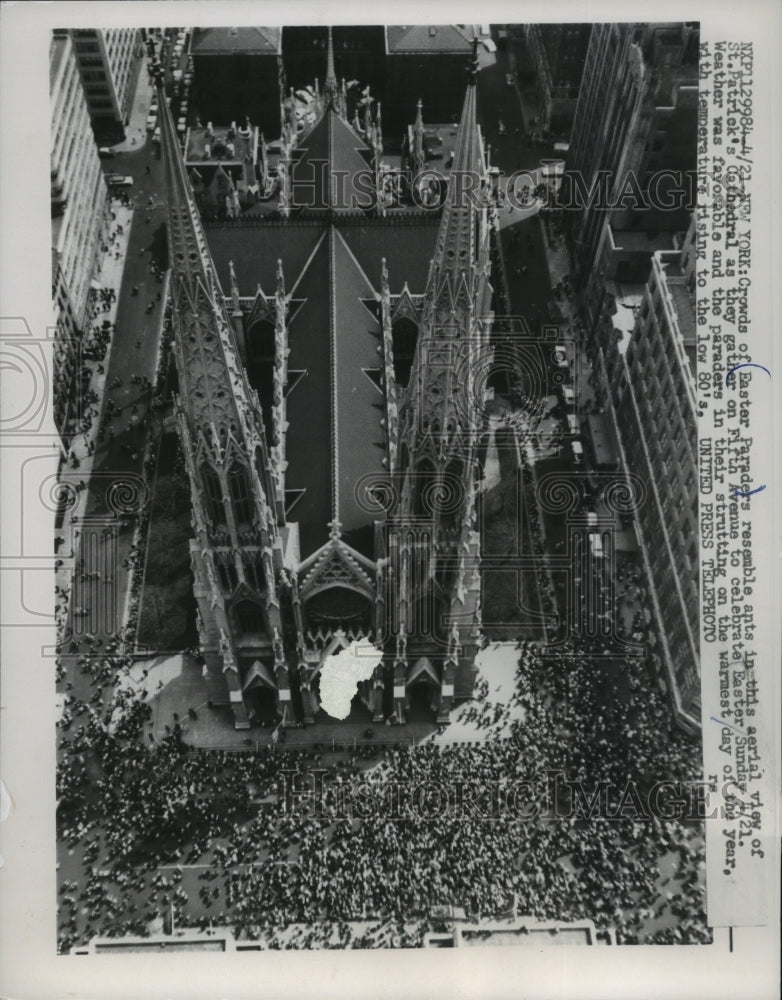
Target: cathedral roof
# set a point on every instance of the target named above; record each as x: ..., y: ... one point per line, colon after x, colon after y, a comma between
x: 334, y: 436
x: 407, y: 248
x: 331, y: 140
x: 255, y: 249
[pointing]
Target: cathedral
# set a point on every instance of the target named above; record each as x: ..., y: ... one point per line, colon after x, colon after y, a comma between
x: 328, y: 418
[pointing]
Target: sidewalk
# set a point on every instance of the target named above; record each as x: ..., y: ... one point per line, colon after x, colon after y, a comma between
x: 84, y: 445
x: 528, y: 100
x: 136, y: 132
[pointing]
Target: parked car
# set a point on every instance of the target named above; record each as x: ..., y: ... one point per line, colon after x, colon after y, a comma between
x: 105, y: 153
x: 119, y: 180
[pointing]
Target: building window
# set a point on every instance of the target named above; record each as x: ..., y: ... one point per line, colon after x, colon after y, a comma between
x: 254, y: 571
x: 228, y: 576
x: 213, y: 495
x: 240, y: 494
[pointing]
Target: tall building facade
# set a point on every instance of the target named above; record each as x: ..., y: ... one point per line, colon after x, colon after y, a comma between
x: 558, y: 53
x: 109, y: 60
x: 318, y: 414
x: 650, y: 370
x: 636, y: 117
x: 78, y: 199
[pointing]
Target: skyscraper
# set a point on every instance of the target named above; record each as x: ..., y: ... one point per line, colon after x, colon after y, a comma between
x: 78, y: 198
x: 636, y: 115
x: 109, y: 60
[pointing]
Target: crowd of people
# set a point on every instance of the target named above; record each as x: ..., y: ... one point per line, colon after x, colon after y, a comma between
x: 306, y: 876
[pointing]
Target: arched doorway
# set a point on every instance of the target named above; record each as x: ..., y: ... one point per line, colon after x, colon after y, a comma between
x: 261, y: 702
x: 421, y: 703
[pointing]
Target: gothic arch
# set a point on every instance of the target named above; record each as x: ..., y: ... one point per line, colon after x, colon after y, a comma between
x: 247, y: 615
x: 339, y: 605
x: 404, y: 333
x: 213, y: 495
x: 261, y: 340
x: 241, y: 494
x: 423, y: 479
x: 261, y: 347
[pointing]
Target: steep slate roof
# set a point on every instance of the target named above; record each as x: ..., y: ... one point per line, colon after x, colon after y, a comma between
x: 407, y: 248
x: 308, y: 440
x: 334, y: 435
x: 223, y: 41
x: 359, y: 401
x: 331, y: 140
x: 256, y: 249
x: 403, y: 39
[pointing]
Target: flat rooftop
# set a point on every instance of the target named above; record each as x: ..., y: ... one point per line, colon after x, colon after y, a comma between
x: 198, y: 139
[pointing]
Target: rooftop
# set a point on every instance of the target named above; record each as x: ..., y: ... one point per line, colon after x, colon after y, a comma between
x: 57, y: 48
x: 224, y: 41
x: 456, y: 38
x: 219, y: 145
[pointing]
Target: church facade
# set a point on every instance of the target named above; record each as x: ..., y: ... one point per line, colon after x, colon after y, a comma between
x: 327, y: 414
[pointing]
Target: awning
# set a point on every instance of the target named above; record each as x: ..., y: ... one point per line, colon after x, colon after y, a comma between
x: 259, y: 674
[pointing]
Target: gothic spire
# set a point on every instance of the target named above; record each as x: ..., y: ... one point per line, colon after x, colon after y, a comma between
x: 330, y: 87
x: 456, y: 298
x: 218, y: 401
x: 455, y: 246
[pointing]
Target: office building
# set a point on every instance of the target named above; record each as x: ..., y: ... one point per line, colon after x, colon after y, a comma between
x: 647, y: 358
x: 109, y: 61
x: 636, y: 117
x: 78, y: 201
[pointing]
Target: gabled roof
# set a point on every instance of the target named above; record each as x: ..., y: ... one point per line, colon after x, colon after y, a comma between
x: 422, y: 670
x: 404, y: 39
x: 223, y: 41
x: 359, y: 403
x: 259, y: 675
x: 334, y: 435
x: 336, y: 564
x: 333, y: 141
